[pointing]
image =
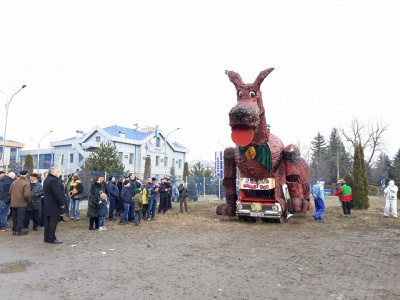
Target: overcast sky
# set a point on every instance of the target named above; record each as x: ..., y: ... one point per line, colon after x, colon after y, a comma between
x: 88, y: 63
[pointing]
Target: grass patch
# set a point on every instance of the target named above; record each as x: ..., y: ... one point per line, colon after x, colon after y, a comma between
x: 202, y: 216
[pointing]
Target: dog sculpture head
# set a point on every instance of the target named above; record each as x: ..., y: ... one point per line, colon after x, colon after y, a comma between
x: 247, y: 117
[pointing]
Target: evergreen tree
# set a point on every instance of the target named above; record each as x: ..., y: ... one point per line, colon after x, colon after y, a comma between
x: 186, y: 170
x: 318, y: 166
x: 360, y: 188
x: 395, y: 166
x: 208, y: 173
x: 147, y: 167
x: 349, y: 179
x: 338, y: 159
x: 197, y: 170
x: 396, y: 177
x: 382, y: 166
x: 172, y: 171
x: 29, y: 163
x: 396, y: 159
x: 105, y: 159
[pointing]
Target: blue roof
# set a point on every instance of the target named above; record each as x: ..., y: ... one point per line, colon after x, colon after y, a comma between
x: 177, y: 145
x: 129, y: 132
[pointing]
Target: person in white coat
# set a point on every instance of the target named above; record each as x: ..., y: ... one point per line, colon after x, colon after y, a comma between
x: 390, y: 194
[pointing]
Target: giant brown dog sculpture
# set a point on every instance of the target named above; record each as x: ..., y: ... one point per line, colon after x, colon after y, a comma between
x: 259, y: 153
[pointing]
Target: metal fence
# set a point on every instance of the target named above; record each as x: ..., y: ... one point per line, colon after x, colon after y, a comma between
x: 199, y: 188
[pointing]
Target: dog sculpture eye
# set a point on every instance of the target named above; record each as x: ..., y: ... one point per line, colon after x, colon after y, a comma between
x: 252, y: 94
x: 239, y: 94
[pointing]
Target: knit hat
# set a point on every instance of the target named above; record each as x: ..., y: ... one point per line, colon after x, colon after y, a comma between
x: 23, y: 172
x: 137, y: 191
x: 321, y: 179
x: 126, y: 182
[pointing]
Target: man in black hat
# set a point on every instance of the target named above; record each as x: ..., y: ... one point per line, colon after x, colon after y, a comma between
x: 20, y: 191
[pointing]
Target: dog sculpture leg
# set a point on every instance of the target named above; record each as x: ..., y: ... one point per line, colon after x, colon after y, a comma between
x: 229, y: 208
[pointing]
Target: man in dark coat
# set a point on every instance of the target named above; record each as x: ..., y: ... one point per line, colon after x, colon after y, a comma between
x: 113, y: 195
x: 163, y: 190
x: 54, y: 204
x: 5, y: 198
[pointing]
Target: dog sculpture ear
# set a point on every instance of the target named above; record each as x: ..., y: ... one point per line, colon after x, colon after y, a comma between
x: 234, y: 78
x: 260, y: 78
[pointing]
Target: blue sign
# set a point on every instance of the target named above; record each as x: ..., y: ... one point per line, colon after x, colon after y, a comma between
x: 382, y: 183
x: 327, y: 192
x: 219, y: 164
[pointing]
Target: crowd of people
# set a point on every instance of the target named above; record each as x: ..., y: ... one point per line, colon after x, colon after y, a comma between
x: 47, y: 199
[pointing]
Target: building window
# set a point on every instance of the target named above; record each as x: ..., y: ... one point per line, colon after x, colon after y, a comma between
x: 130, y: 158
x: 157, y: 161
x: 120, y: 157
x: 13, y: 154
x: 45, y: 161
x: 180, y: 164
x: 98, y: 139
x: 165, y: 161
x: 71, y: 158
x: 158, y: 142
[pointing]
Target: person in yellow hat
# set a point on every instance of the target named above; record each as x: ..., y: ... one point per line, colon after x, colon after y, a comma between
x: 345, y: 195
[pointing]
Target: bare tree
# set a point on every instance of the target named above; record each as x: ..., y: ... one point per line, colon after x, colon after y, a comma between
x: 370, y: 136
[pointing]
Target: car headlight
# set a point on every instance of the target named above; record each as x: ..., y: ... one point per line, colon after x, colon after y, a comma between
x: 239, y: 206
x: 275, y: 208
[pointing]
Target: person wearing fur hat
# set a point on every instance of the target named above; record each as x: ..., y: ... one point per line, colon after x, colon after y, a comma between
x: 20, y: 191
x: 318, y: 194
x: 32, y: 210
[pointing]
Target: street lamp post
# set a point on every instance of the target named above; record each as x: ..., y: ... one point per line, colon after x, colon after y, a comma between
x: 7, y: 105
x: 38, y: 148
x: 165, y: 150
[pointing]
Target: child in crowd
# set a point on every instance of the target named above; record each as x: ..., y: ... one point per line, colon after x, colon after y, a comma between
x: 102, y: 211
x: 138, y: 206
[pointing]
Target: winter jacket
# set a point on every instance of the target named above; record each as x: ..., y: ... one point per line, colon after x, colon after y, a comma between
x: 75, y: 190
x: 145, y: 199
x: 345, y: 193
x: 102, y: 208
x: 94, y: 199
x: 318, y: 191
x: 182, y: 191
x: 126, y: 195
x: 36, y: 195
x: 138, y: 202
x: 113, y: 191
x: 20, y: 191
x: 54, y: 198
x: 5, y: 184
